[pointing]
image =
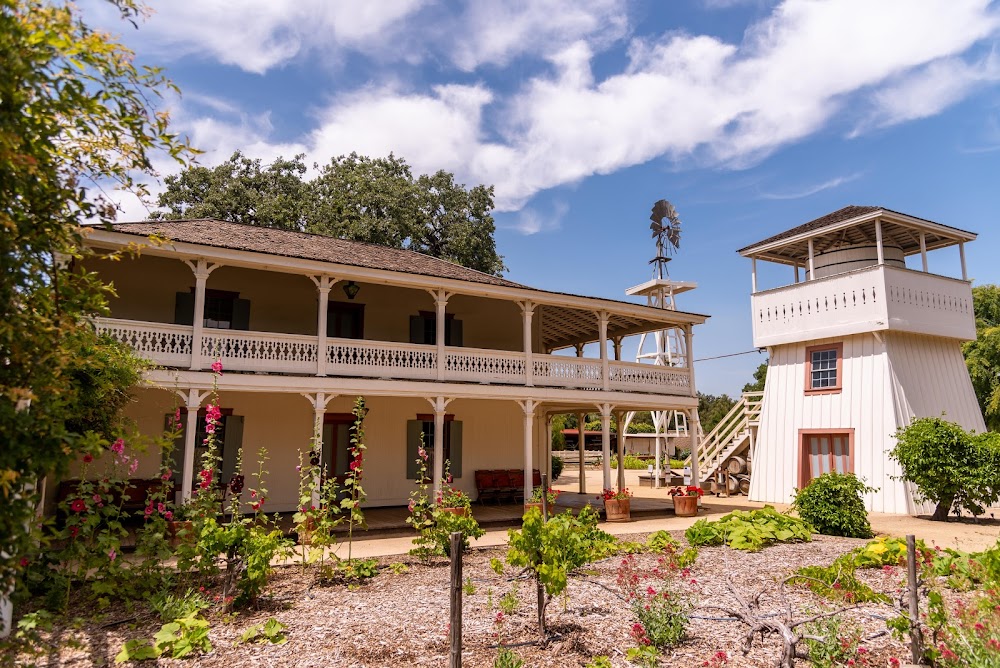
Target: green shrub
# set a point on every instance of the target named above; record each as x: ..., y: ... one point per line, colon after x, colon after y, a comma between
x: 557, y: 467
x: 170, y: 607
x: 950, y: 467
x: 834, y: 505
x: 832, y: 643
x: 749, y: 530
x: 632, y: 463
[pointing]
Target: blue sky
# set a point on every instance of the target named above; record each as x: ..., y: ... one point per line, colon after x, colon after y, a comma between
x: 750, y: 116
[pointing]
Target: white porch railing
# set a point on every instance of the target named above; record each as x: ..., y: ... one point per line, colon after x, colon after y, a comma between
x: 169, y: 345
x: 865, y: 300
x: 485, y: 366
x: 380, y: 359
x: 270, y: 352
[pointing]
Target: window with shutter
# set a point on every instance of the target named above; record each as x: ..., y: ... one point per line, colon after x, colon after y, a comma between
x: 423, y: 329
x: 423, y: 426
x: 825, y: 451
x: 345, y: 321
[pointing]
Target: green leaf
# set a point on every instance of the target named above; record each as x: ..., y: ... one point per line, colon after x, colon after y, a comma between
x: 137, y: 650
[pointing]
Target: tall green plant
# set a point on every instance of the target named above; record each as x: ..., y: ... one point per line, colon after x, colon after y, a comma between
x: 951, y: 468
x: 834, y: 505
x: 352, y: 481
x: 76, y: 120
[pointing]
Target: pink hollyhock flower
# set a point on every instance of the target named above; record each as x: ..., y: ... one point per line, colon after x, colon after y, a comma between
x: 96, y: 498
x: 112, y: 555
x: 78, y: 506
x: 149, y: 511
x: 410, y: 505
x: 73, y: 531
x: 422, y: 453
x: 118, y: 446
x: 160, y: 507
x: 209, y: 428
x: 255, y: 506
x: 217, y: 366
x: 166, y: 475
x: 24, y: 562
x: 133, y: 466
x: 168, y: 515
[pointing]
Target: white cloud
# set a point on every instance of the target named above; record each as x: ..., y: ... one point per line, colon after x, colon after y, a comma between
x: 531, y: 220
x: 812, y: 190
x: 680, y: 96
x: 930, y: 90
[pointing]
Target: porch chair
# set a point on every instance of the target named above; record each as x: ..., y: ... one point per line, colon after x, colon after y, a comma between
x: 486, y: 487
x: 517, y: 482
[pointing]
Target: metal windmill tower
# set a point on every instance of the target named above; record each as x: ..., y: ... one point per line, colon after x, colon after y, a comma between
x: 666, y: 347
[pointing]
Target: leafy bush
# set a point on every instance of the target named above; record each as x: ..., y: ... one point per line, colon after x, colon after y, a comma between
x: 833, y: 643
x: 837, y: 582
x: 170, y: 607
x: 178, y: 639
x: 950, y: 467
x: 632, y: 463
x: 271, y: 631
x: 664, y: 617
x: 507, y: 659
x: 965, y: 571
x: 833, y: 504
x: 557, y: 467
x: 749, y: 530
x: 966, y: 635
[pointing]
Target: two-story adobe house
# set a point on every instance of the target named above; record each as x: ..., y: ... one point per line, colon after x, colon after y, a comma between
x: 472, y: 363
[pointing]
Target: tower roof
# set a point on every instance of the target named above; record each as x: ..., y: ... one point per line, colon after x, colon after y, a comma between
x: 853, y: 225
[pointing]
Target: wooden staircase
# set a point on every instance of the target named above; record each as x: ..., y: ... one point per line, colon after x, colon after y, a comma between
x: 732, y: 436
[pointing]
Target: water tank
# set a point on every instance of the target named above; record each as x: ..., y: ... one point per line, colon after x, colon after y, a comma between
x: 859, y: 256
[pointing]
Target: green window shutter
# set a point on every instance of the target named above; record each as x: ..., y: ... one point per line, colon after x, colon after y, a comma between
x: 414, y: 429
x: 176, y: 462
x: 416, y: 329
x: 241, y: 314
x: 454, y: 334
x: 455, y: 447
x: 184, y: 308
x: 232, y: 442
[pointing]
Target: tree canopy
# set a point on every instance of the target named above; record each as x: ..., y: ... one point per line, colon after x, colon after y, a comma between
x: 75, y: 120
x: 759, y: 376
x: 982, y: 356
x: 377, y: 200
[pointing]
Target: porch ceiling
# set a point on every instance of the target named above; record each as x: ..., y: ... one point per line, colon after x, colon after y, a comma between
x: 563, y: 327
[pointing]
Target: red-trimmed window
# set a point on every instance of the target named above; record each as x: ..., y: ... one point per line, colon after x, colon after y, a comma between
x: 824, y: 368
x: 825, y: 451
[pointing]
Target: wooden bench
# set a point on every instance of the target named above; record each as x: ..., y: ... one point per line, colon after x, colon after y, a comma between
x: 135, y: 494
x: 499, y: 484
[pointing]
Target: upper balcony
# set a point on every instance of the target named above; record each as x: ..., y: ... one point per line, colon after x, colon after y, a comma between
x: 856, y: 280
x: 183, y: 304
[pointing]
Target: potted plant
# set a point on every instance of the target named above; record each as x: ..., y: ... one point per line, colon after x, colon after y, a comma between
x: 536, y: 498
x: 180, y: 527
x: 454, y: 501
x: 686, y: 500
x: 617, y: 504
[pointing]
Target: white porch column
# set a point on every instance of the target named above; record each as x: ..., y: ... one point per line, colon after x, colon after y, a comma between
x: 606, y: 443
x: 695, y: 448
x: 961, y: 256
x: 689, y: 357
x: 796, y: 273
x: 192, y: 403
x: 602, y: 326
x: 753, y: 274
x: 529, y: 406
x: 319, y: 401
x: 617, y: 344
x: 323, y: 285
x: 441, y: 302
x: 581, y: 425
x: 527, y: 310
x: 878, y: 242
x: 201, y: 270
x: 439, y: 404
x: 812, y: 260
x: 621, y: 450
x: 657, y: 469
x: 923, y: 251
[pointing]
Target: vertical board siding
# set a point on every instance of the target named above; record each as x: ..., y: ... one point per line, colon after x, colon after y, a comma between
x: 864, y: 404
x: 886, y: 384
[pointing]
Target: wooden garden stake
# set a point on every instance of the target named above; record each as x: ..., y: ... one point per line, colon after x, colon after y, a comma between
x: 455, y: 627
x: 911, y: 576
x: 545, y: 498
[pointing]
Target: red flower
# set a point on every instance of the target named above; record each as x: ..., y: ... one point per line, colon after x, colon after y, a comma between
x: 24, y: 562
x: 88, y: 458
x: 73, y: 531
x: 255, y: 506
x: 78, y: 506
x: 217, y: 367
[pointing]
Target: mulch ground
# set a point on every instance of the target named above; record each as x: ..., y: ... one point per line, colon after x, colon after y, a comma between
x: 401, y: 619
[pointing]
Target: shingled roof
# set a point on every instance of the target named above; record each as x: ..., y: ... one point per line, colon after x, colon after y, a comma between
x: 238, y: 236
x: 897, y: 228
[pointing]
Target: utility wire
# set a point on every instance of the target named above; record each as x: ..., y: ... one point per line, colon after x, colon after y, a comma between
x: 719, y: 357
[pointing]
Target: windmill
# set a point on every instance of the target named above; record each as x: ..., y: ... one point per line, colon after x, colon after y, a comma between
x: 668, y: 237
x: 666, y: 347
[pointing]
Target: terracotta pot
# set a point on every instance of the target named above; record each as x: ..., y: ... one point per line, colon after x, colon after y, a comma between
x: 460, y: 511
x: 305, y: 531
x: 618, y: 510
x: 528, y: 505
x: 686, y: 506
x: 180, y: 532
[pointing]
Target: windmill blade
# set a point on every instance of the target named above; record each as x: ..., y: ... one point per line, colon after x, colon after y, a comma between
x: 661, y: 210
